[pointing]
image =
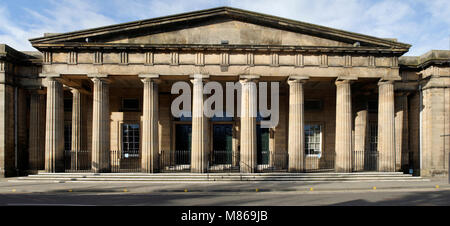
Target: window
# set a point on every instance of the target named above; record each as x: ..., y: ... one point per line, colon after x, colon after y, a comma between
x: 67, y: 136
x: 130, y: 104
x: 313, y: 139
x: 130, y: 140
x: 313, y: 105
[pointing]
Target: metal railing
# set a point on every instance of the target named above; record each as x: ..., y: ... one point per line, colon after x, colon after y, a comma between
x: 316, y: 164
x: 125, y: 162
x: 175, y: 161
x: 77, y: 161
x: 223, y: 161
x: 365, y: 161
x: 371, y: 161
x: 220, y: 161
x: 80, y: 161
x: 277, y: 162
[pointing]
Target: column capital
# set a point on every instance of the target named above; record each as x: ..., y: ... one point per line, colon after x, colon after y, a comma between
x: 99, y: 79
x: 249, y: 78
x: 343, y: 82
x: 198, y: 78
x: 385, y: 82
x: 47, y: 80
x: 150, y: 78
x: 74, y: 90
x: 297, y: 79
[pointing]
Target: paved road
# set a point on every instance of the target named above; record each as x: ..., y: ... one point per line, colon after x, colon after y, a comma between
x: 431, y: 197
x: 433, y: 192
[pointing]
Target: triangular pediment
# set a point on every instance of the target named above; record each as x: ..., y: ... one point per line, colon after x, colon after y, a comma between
x: 220, y: 26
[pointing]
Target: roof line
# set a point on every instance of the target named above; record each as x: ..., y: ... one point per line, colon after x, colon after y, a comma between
x: 230, y: 11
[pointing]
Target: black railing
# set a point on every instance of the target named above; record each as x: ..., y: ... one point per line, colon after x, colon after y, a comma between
x: 223, y: 161
x: 274, y: 162
x: 175, y: 161
x: 228, y: 162
x: 123, y: 162
x: 77, y: 161
x: 365, y: 161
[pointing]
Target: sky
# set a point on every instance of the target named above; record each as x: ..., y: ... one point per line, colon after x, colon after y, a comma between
x: 425, y: 24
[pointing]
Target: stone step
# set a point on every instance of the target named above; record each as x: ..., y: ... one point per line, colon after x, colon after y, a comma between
x: 217, y: 176
x: 363, y: 176
x: 223, y: 174
x: 222, y: 179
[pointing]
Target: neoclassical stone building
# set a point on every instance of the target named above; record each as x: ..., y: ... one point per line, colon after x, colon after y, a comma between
x: 100, y: 99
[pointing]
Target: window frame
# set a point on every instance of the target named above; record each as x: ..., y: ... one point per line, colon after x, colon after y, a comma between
x: 321, y: 139
x: 122, y: 141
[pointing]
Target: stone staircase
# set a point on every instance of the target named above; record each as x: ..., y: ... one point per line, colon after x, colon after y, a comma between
x: 190, y: 177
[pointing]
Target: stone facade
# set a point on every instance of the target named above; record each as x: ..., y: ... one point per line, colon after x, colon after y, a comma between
x: 344, y: 97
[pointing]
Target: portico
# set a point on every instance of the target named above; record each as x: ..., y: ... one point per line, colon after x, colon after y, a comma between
x: 343, y: 102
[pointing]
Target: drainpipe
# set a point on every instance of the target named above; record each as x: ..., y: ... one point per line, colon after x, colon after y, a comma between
x: 15, y: 132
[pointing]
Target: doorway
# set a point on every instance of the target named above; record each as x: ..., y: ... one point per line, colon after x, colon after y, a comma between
x: 222, y: 152
x: 262, y: 145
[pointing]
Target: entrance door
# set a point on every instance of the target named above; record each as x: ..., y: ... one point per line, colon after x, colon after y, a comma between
x: 183, y: 140
x: 222, y: 144
x: 262, y: 145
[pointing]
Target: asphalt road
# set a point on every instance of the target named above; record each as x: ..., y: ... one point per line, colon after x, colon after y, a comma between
x: 366, y: 198
x: 432, y: 192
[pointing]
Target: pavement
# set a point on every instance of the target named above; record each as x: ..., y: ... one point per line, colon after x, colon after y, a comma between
x: 435, y: 191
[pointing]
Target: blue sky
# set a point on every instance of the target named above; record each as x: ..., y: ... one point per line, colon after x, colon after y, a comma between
x: 423, y: 23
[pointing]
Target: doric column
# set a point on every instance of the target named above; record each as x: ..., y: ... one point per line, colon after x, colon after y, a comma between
x: 200, y: 147
x: 101, y: 126
x: 54, y: 128
x: 248, y: 155
x: 343, y: 126
x: 76, y: 127
x: 150, y: 138
x: 401, y: 131
x: 296, y: 139
x: 36, y: 145
x: 386, y: 127
x: 361, y: 131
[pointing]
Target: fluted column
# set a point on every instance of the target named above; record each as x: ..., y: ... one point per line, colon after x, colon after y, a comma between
x: 150, y: 138
x: 361, y: 131
x: 386, y: 127
x: 54, y: 128
x: 200, y: 147
x: 36, y: 145
x: 401, y: 131
x: 248, y: 150
x: 101, y: 126
x: 76, y: 128
x: 296, y: 139
x: 343, y: 126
